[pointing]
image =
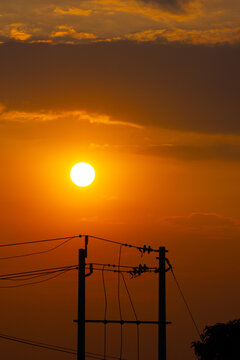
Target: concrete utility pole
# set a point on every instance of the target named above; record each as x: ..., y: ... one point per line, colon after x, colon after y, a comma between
x: 81, y: 306
x: 162, y: 305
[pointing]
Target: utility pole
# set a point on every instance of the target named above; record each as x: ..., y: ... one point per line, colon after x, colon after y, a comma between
x: 162, y: 305
x: 161, y: 322
x: 81, y: 305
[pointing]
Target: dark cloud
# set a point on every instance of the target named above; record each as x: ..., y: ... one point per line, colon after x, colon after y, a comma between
x: 171, y: 5
x: 225, y: 152
x: 187, y: 88
x: 203, y: 219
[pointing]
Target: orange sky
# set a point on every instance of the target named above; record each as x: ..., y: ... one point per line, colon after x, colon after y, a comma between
x: 147, y: 92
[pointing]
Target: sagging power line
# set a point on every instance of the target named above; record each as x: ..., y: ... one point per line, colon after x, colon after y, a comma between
x: 107, y: 267
x: 37, y: 252
x: 143, y: 249
x: 53, y: 347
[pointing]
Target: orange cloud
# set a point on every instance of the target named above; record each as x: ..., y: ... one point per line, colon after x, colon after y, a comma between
x: 17, y: 34
x: 44, y: 116
x: 65, y: 31
x: 41, y: 41
x: 106, y: 120
x: 73, y: 11
x: 210, y: 36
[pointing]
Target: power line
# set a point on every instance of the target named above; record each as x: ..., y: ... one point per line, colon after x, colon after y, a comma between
x: 134, y: 271
x: 32, y: 343
x: 130, y: 298
x: 120, y: 271
x: 124, y: 266
x: 31, y: 277
x: 142, y: 249
x: 38, y: 342
x: 34, y: 282
x: 47, y: 271
x: 37, y: 272
x: 52, y: 347
x: 35, y: 253
x: 40, y: 241
x: 28, y: 275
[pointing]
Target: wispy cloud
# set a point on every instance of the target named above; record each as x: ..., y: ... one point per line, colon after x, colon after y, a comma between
x: 198, y: 226
x: 200, y: 219
x: 209, y: 36
x: 106, y: 120
x: 216, y: 151
x: 45, y: 116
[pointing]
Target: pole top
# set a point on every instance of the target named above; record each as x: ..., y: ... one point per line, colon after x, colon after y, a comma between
x: 162, y: 248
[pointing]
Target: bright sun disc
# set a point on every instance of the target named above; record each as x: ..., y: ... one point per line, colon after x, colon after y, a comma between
x: 82, y: 174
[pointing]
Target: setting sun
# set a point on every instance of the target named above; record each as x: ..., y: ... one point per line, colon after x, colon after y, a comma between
x: 120, y: 173
x: 82, y: 174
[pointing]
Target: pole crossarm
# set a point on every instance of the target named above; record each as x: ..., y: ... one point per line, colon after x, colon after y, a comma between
x: 122, y: 322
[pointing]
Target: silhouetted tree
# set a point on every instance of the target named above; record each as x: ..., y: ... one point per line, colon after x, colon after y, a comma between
x: 219, y: 342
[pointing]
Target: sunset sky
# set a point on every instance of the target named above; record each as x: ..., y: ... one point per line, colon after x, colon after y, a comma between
x: 148, y: 93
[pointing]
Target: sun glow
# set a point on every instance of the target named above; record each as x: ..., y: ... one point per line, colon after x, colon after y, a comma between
x: 82, y: 174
